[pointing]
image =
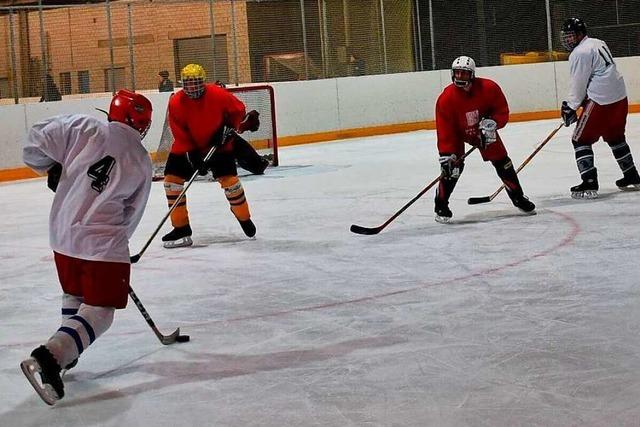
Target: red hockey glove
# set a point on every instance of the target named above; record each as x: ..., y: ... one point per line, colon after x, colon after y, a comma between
x: 251, y: 122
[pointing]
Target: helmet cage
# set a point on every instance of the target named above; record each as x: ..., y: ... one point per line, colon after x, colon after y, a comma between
x: 571, y: 29
x: 193, y: 77
x: 463, y: 63
x: 193, y: 87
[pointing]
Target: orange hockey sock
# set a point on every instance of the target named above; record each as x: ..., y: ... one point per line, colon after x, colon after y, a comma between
x: 173, y: 186
x: 235, y: 195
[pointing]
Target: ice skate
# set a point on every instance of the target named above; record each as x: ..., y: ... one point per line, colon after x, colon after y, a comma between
x: 524, y: 204
x: 248, y: 227
x: 443, y: 214
x: 179, y: 237
x: 630, y: 181
x: 50, y: 387
x: 586, y: 190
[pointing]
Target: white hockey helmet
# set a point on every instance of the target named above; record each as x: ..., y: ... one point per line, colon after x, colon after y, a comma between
x: 463, y: 63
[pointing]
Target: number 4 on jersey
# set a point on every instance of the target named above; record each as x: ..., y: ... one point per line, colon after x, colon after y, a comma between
x: 99, y: 172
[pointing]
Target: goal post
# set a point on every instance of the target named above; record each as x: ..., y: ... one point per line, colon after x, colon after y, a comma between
x: 260, y: 98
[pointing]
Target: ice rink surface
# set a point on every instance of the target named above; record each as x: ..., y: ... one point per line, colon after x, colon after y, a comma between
x: 499, y: 319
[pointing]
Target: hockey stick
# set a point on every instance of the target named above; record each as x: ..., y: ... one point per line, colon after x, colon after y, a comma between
x: 135, y: 258
x: 486, y: 199
x: 375, y: 230
x: 164, y: 339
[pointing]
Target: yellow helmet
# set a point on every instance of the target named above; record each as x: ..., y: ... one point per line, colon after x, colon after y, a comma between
x: 193, y: 77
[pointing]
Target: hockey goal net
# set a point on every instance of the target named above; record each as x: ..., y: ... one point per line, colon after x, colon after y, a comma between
x: 264, y: 140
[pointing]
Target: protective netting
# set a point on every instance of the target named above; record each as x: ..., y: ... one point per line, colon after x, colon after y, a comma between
x: 72, y: 50
x: 264, y: 140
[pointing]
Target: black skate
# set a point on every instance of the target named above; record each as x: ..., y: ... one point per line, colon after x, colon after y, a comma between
x: 50, y: 387
x: 443, y: 214
x: 179, y: 237
x: 524, y: 204
x: 587, y: 190
x: 630, y: 181
x: 248, y: 227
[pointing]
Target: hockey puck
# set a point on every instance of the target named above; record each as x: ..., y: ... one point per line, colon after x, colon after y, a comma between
x: 182, y: 338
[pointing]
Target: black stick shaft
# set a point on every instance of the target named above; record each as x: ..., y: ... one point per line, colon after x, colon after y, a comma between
x: 164, y: 339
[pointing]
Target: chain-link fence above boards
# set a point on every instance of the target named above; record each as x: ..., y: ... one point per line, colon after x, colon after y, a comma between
x: 50, y: 52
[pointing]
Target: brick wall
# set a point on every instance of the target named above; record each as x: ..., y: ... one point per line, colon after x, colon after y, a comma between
x: 77, y: 39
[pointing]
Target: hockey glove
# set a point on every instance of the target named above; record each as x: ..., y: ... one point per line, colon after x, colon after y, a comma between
x: 488, y: 132
x: 197, y: 161
x: 53, y: 176
x: 251, y: 122
x: 450, y: 166
x: 569, y: 115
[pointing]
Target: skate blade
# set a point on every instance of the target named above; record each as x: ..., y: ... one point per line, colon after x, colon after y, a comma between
x: 531, y: 212
x: 30, y: 368
x: 632, y: 187
x: 180, y: 243
x: 442, y: 219
x: 587, y: 195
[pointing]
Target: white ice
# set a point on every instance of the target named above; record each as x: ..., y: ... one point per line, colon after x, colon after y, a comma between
x: 499, y: 319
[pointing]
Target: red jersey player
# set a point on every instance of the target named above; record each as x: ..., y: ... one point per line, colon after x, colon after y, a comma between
x: 198, y: 116
x: 471, y: 110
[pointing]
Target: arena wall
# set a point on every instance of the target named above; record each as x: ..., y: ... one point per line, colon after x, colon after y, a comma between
x: 322, y: 110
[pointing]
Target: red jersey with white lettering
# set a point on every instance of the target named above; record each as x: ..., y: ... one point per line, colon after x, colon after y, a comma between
x: 458, y: 113
x: 194, y: 122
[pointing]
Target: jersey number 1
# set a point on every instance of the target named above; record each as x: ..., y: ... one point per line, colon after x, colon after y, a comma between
x: 99, y: 173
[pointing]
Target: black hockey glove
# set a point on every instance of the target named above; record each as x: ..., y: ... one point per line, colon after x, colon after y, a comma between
x: 569, y: 115
x: 251, y: 122
x: 197, y: 161
x: 53, y: 176
x: 488, y: 129
x: 450, y: 166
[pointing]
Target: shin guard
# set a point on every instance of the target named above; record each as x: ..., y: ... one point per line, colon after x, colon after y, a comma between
x: 235, y: 195
x: 622, y: 153
x: 585, y: 163
x: 509, y: 176
x: 173, y: 186
x: 79, y: 332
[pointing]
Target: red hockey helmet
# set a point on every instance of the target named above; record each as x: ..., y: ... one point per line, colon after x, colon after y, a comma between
x: 132, y: 109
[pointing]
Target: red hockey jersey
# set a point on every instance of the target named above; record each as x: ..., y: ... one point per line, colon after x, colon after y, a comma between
x: 194, y: 121
x: 458, y: 113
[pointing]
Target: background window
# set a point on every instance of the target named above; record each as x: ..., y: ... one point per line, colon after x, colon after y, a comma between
x: 65, y: 83
x: 83, y: 82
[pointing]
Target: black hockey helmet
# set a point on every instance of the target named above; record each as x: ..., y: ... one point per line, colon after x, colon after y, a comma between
x: 571, y: 32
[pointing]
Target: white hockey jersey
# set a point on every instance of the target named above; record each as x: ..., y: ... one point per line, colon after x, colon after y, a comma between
x: 105, y: 184
x: 593, y: 74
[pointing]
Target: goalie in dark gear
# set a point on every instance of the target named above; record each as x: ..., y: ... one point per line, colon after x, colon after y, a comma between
x: 248, y: 158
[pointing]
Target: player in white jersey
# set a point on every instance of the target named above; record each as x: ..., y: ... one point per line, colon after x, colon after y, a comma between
x: 101, y: 174
x: 597, y: 86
